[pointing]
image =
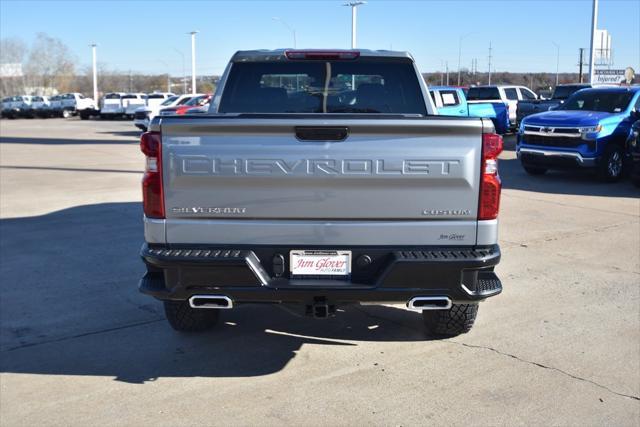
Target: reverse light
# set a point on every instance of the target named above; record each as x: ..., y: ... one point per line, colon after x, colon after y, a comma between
x: 490, y: 183
x: 322, y: 54
x: 152, y: 191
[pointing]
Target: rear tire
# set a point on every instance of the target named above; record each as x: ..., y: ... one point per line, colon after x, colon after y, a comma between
x: 534, y: 170
x: 183, y: 318
x: 611, y: 165
x: 66, y: 114
x: 457, y: 320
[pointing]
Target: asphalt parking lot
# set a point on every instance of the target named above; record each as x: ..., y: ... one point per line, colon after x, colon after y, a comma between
x: 80, y: 346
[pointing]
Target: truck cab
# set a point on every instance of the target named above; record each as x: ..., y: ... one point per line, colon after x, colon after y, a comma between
x: 452, y: 101
x: 591, y: 129
x: 75, y: 103
x: 112, y: 105
x: 507, y: 94
x: 559, y: 95
x: 131, y: 102
x: 40, y: 106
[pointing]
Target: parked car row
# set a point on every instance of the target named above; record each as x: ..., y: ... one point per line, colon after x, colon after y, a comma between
x: 63, y: 105
x: 174, y: 105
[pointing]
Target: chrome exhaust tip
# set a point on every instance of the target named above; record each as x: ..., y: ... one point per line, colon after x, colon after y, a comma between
x: 429, y: 303
x: 220, y: 302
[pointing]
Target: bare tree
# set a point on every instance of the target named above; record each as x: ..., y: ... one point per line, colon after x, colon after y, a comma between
x: 12, y: 52
x: 50, y: 64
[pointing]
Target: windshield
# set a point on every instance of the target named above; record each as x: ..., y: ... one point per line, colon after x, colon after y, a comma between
x: 320, y: 86
x: 198, y: 101
x: 112, y: 96
x: 595, y: 100
x: 483, y: 93
x: 563, y: 92
x: 169, y: 100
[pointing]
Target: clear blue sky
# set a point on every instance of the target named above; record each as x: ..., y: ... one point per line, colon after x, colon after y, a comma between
x: 143, y: 35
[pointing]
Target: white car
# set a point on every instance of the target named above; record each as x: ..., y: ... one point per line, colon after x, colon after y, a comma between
x: 19, y: 106
x: 112, y: 105
x: 510, y: 95
x: 55, y: 106
x: 75, y: 103
x: 157, y: 98
x: 39, y: 106
x: 144, y: 115
x: 6, y: 106
x: 131, y: 102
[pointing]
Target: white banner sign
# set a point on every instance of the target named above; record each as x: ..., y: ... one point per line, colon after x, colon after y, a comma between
x: 608, y: 77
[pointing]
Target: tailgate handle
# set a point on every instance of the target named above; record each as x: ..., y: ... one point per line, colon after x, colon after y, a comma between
x: 324, y: 133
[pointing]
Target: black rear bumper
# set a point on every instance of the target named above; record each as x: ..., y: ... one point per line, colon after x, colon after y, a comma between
x: 379, y: 274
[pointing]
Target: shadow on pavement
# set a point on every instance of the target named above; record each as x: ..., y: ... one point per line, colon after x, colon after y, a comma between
x: 70, y: 306
x: 70, y: 169
x: 132, y: 133
x: 60, y: 141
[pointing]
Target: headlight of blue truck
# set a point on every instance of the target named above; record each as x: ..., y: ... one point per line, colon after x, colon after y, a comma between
x: 590, y: 132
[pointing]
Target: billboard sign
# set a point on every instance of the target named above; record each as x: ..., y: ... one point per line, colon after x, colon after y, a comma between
x: 613, y: 77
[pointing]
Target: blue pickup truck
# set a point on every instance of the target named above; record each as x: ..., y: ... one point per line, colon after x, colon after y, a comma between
x: 451, y: 101
x: 591, y: 129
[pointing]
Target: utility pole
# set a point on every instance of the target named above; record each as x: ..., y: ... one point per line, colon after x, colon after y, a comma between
x: 557, y: 60
x: 490, y: 62
x: 441, y: 73
x: 592, y: 55
x: 193, y: 61
x: 130, y: 81
x: 580, y: 64
x: 447, y: 68
x: 95, y: 74
x: 354, y: 6
x: 460, y: 53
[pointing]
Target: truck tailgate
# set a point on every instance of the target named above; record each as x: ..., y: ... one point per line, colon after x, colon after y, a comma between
x: 260, y: 169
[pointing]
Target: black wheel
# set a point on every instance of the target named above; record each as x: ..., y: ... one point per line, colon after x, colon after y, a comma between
x: 449, y: 323
x: 534, y: 170
x: 84, y: 116
x: 611, y: 165
x: 183, y: 318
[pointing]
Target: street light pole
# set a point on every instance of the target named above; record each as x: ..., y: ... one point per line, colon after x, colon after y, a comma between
x: 193, y: 61
x: 557, y: 60
x: 354, y: 5
x: 95, y: 73
x: 594, y: 25
x: 288, y: 27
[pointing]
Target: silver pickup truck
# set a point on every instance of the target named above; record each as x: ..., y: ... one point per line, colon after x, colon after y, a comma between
x: 320, y: 179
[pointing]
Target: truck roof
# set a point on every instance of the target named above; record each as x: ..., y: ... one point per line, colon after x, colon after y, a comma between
x: 279, y: 54
x: 633, y: 89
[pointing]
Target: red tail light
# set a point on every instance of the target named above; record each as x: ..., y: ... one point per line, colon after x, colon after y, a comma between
x: 152, y: 192
x: 322, y: 55
x: 490, y: 184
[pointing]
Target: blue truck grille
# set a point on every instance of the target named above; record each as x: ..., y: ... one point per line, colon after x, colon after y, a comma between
x: 557, y: 141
